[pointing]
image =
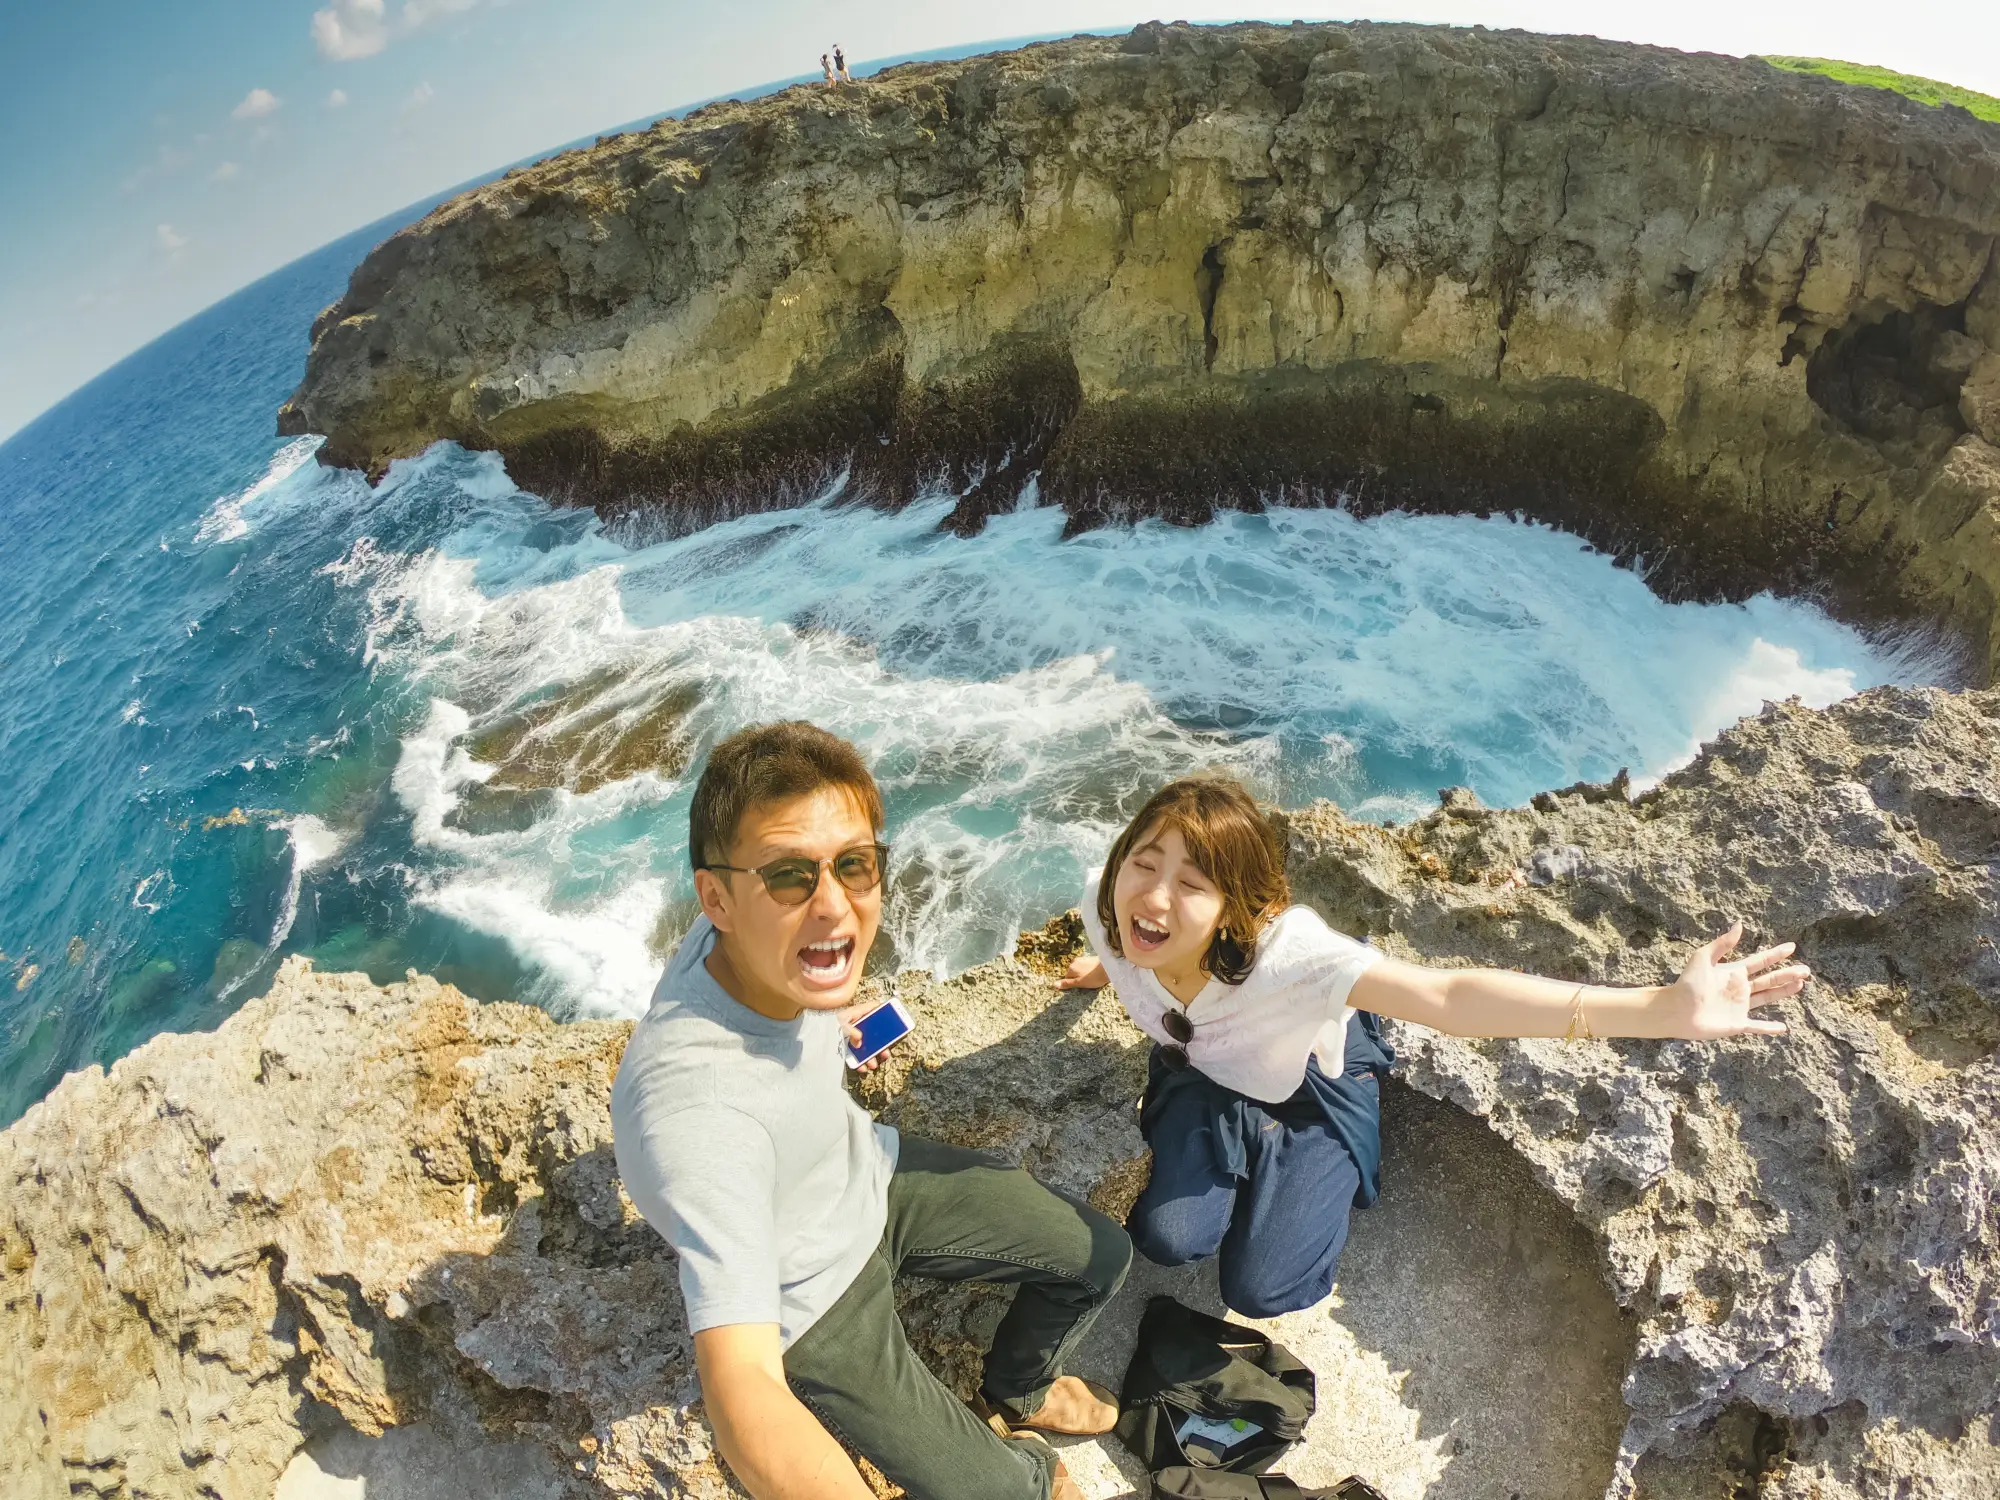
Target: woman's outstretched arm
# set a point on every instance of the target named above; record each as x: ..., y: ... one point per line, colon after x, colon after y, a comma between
x: 1714, y: 997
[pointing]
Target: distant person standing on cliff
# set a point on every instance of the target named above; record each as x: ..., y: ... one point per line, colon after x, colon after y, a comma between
x: 826, y: 68
x: 840, y: 64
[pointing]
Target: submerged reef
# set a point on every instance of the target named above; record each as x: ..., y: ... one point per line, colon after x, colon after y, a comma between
x: 1758, y: 1267
x: 1738, y: 324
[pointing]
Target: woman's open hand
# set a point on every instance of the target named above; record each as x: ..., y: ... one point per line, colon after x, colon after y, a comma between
x: 1085, y: 973
x: 1715, y: 995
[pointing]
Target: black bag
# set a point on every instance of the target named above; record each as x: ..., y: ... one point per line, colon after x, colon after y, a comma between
x: 1190, y: 1364
x: 1215, y: 1484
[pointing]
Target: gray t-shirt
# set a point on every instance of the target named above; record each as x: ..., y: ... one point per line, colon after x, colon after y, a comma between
x: 737, y: 1140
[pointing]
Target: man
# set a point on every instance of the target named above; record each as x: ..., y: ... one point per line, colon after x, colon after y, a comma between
x: 792, y: 1212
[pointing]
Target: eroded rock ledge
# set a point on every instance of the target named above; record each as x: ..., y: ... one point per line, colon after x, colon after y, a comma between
x: 1738, y: 323
x: 353, y: 1207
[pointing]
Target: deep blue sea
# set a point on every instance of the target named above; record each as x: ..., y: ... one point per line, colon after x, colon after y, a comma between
x: 250, y: 706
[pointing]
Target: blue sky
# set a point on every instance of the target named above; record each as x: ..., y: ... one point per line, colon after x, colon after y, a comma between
x: 159, y: 155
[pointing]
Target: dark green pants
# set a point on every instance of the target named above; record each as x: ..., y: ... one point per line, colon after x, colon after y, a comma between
x: 958, y: 1215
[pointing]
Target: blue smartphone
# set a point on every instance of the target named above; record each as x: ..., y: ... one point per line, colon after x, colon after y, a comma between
x: 881, y: 1028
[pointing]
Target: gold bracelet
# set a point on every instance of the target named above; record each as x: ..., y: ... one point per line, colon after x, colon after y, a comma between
x: 1578, y: 1021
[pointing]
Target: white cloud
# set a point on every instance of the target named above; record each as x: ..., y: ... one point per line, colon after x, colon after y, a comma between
x: 256, y: 105
x: 421, y: 95
x: 169, y: 241
x: 224, y: 172
x: 337, y: 99
x: 350, y: 29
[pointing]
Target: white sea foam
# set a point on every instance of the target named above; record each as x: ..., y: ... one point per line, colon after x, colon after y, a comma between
x: 144, y: 889
x: 591, y: 960
x: 1018, y: 694
x: 313, y: 843
x: 1766, y: 673
x: 224, y: 521
x: 360, y: 561
x: 429, y: 770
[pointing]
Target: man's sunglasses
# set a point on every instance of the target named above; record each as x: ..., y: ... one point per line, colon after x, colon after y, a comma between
x: 1181, y: 1029
x: 793, y: 879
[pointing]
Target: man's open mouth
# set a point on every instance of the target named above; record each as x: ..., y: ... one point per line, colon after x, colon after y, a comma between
x: 1148, y: 937
x: 826, y: 964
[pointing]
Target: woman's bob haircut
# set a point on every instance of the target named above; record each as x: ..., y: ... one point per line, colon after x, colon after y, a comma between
x: 1231, y: 843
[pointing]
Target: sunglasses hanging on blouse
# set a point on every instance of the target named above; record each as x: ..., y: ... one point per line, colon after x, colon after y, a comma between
x: 1181, y: 1029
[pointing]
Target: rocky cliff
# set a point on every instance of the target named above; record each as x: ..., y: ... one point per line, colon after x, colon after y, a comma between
x: 1737, y: 323
x: 1744, y: 1269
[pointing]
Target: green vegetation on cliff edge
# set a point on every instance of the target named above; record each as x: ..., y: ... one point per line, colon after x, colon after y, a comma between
x: 1923, y: 90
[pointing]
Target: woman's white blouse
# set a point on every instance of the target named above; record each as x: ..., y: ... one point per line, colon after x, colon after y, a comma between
x: 1254, y: 1037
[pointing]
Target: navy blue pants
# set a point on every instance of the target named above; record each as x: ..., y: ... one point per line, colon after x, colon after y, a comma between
x: 1278, y: 1220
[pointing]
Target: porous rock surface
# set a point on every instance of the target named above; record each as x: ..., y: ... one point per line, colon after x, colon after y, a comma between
x: 1739, y: 322
x: 1808, y: 1229
x: 354, y: 1207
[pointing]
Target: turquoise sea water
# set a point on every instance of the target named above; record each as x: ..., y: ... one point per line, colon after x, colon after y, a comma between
x: 249, y: 706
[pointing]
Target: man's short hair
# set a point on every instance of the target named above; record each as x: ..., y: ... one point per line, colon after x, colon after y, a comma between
x: 772, y: 763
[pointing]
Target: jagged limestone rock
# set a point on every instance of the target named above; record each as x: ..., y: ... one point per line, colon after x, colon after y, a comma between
x: 1807, y: 1228
x: 1979, y: 397
x: 351, y: 1207
x: 1693, y: 308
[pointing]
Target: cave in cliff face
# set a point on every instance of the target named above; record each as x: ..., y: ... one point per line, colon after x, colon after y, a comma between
x: 1896, y: 378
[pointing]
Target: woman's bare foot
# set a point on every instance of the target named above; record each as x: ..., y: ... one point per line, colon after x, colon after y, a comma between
x: 1075, y: 1408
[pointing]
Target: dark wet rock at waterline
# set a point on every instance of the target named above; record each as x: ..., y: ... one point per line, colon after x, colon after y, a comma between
x: 1737, y: 323
x: 1660, y: 1269
x: 612, y: 724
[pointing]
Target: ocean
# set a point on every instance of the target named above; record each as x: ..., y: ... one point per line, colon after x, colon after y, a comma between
x: 251, y: 707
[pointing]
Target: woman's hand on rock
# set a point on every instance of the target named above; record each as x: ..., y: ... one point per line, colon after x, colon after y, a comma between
x: 1085, y: 973
x: 1715, y: 995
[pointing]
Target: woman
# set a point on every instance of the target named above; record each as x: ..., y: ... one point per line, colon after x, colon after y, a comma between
x: 1262, y: 1103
